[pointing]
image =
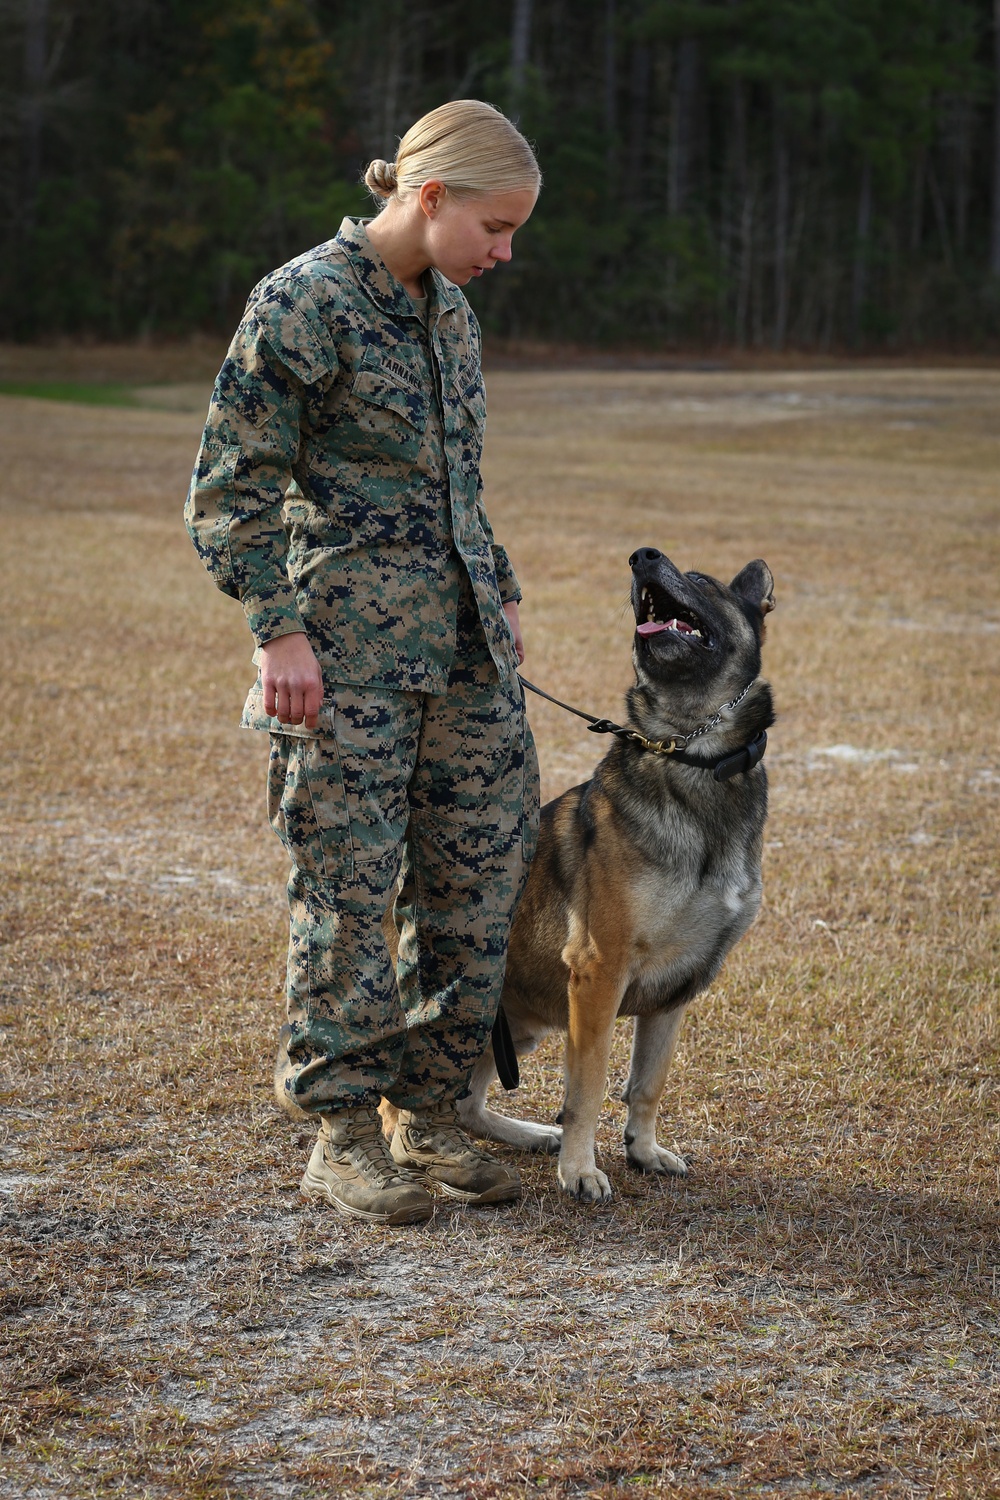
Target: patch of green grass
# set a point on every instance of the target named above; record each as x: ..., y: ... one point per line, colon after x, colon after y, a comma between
x: 70, y: 390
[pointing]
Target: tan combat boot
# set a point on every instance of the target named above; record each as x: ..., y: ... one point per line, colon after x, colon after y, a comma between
x: 432, y: 1142
x: 351, y: 1168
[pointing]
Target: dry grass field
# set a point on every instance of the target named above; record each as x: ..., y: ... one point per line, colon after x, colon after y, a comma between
x: 816, y: 1310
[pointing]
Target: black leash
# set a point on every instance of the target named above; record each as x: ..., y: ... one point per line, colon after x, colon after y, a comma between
x: 504, y: 1055
x: 723, y: 767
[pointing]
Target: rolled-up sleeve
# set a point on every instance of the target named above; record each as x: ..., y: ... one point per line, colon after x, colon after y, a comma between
x: 281, y: 354
x: 510, y: 589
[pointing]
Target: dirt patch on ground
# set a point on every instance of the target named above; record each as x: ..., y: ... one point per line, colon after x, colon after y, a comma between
x: 815, y: 1311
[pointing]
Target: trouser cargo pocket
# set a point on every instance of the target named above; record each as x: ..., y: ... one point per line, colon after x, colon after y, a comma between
x: 307, y: 806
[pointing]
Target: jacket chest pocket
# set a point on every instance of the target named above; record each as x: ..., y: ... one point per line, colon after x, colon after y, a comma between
x: 381, y: 422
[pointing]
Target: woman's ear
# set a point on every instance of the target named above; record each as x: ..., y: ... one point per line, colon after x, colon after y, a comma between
x: 431, y: 197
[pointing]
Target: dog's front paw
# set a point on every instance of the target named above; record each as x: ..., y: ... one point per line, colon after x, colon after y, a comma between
x: 655, y: 1158
x: 590, y: 1185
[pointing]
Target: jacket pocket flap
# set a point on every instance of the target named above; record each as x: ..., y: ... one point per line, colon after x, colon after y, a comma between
x: 376, y: 389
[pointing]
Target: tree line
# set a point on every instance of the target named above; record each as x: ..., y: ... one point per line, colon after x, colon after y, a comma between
x: 821, y: 174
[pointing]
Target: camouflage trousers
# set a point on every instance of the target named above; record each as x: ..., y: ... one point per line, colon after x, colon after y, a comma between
x: 428, y: 805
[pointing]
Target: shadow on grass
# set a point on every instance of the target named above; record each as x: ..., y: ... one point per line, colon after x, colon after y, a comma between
x: 811, y: 1233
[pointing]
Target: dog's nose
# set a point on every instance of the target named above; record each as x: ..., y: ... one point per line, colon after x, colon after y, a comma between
x: 644, y: 554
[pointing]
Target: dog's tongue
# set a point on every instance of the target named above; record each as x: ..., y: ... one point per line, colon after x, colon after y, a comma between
x: 653, y: 627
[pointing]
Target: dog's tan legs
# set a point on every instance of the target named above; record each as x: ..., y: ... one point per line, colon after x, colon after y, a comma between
x: 593, y: 1006
x: 654, y: 1042
x: 491, y: 1126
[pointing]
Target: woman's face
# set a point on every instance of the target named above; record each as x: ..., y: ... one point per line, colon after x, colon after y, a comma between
x: 467, y: 236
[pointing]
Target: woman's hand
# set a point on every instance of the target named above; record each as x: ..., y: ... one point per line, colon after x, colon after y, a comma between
x: 292, y: 681
x: 513, y: 620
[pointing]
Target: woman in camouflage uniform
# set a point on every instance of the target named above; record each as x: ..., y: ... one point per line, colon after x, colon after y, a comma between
x: 337, y: 495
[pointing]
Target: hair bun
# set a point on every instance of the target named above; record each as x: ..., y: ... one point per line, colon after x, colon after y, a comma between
x: 381, y: 177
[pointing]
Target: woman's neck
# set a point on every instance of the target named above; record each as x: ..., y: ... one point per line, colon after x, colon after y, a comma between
x: 394, y: 235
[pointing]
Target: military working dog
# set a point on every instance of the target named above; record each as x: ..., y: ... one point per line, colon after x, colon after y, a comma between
x: 647, y: 874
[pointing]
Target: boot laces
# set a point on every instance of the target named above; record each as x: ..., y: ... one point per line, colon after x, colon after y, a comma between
x: 366, y: 1148
x: 438, y: 1127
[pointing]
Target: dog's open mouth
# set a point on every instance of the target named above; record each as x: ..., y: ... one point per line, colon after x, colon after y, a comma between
x: 658, y: 612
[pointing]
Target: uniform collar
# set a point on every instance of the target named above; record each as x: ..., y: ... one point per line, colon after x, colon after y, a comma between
x: 378, y: 282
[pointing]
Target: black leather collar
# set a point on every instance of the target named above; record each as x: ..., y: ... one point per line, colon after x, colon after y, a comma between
x: 724, y: 767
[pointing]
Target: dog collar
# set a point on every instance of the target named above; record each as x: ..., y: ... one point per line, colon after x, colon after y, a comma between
x: 723, y: 767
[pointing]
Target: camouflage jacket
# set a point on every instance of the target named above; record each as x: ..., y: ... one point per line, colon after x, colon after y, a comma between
x: 308, y: 502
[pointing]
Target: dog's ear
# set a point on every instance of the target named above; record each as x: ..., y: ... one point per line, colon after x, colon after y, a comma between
x: 755, y: 584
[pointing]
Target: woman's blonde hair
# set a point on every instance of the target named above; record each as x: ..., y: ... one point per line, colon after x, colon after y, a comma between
x: 468, y: 145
